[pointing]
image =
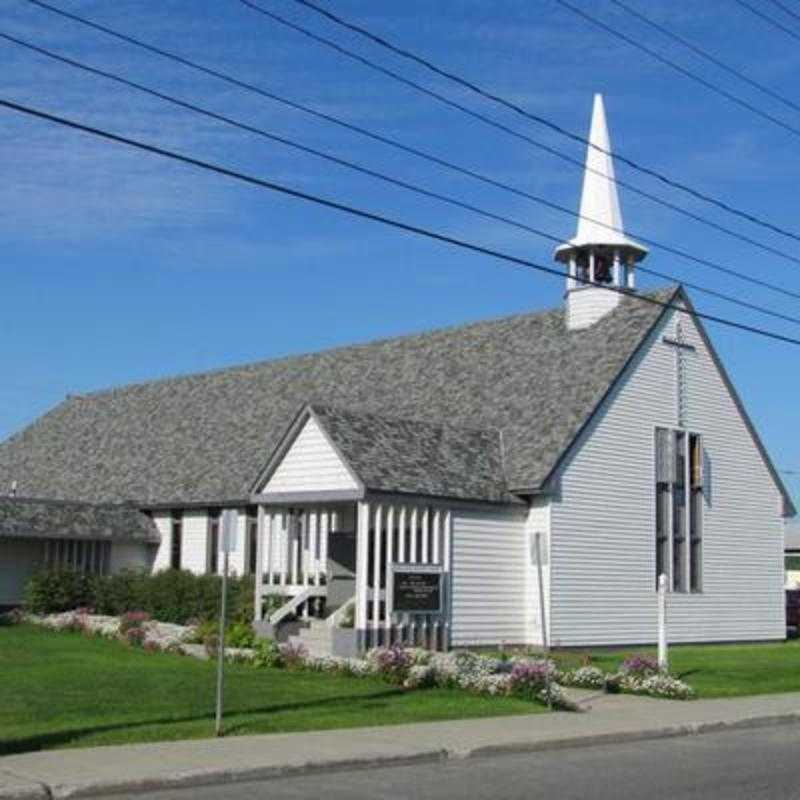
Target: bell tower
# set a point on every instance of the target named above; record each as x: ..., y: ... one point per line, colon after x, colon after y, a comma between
x: 600, y: 254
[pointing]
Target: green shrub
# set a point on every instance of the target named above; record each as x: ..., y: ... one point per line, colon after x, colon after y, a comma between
x: 240, y: 634
x: 52, y: 591
x: 268, y: 654
x: 169, y: 596
x: 205, y: 630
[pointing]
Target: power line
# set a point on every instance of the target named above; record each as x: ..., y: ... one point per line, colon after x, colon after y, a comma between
x: 485, y: 179
x: 442, y: 162
x: 706, y: 55
x: 769, y: 20
x: 678, y: 68
x: 362, y: 169
x: 372, y: 216
x: 783, y: 7
x: 696, y: 193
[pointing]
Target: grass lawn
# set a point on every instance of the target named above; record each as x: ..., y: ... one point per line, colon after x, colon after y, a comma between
x: 66, y: 690
x: 718, y: 670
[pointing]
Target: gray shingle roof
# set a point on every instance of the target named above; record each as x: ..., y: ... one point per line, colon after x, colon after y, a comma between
x: 204, y: 438
x: 47, y: 519
x: 414, y: 457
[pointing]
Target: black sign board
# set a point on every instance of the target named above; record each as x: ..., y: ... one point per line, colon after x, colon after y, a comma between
x: 416, y: 591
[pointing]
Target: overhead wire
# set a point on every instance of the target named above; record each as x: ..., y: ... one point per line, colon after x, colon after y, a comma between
x: 435, y: 195
x: 768, y: 19
x: 463, y: 82
x: 374, y: 216
x: 674, y: 65
x: 699, y: 51
x: 232, y: 80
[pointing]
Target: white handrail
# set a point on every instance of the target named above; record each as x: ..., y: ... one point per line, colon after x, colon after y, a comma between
x: 291, y: 606
x: 333, y: 619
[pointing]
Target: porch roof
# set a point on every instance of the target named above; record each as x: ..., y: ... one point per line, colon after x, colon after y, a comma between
x: 409, y: 456
x: 34, y: 518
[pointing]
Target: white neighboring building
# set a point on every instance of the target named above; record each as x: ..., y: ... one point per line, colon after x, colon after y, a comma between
x: 608, y: 427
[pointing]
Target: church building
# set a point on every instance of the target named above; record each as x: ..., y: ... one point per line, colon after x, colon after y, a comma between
x: 514, y: 481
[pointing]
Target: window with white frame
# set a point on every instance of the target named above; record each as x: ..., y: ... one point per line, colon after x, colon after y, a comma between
x: 679, y: 509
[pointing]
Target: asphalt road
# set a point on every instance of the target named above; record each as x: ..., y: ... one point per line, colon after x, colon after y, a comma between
x: 740, y: 765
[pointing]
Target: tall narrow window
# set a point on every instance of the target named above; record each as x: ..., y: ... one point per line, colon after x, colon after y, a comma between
x: 679, y: 515
x: 251, y: 535
x: 679, y: 507
x: 663, y: 505
x: 212, y: 559
x: 176, y: 540
x: 696, y: 470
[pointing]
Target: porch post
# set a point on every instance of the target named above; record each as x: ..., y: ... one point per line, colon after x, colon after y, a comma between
x: 388, y: 601
x: 259, y: 576
x: 362, y: 563
x: 376, y: 576
x: 447, y: 562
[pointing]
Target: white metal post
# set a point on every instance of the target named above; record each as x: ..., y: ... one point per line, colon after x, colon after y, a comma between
x: 663, y: 657
x: 221, y: 645
x: 376, y: 576
x: 362, y: 561
x: 388, y: 599
x: 542, y: 608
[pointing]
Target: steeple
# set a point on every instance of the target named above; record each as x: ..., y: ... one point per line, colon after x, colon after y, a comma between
x: 600, y: 254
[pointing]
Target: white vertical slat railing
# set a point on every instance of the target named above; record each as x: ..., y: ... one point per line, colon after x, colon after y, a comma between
x: 390, y: 534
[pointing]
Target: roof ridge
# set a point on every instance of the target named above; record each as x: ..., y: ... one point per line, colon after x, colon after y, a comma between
x: 76, y: 396
x: 556, y: 310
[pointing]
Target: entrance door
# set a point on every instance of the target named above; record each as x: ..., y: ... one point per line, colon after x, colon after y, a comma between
x: 341, y: 568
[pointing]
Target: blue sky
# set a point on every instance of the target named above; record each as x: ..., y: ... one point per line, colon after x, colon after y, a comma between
x: 118, y: 267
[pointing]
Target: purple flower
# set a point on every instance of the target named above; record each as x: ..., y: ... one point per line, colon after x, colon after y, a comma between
x: 640, y: 665
x: 293, y: 655
x: 131, y: 620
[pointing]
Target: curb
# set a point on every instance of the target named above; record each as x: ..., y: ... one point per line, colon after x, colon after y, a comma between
x: 29, y: 789
x: 623, y: 737
x: 219, y: 777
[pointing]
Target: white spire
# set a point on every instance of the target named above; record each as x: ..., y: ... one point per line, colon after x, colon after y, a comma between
x: 600, y: 221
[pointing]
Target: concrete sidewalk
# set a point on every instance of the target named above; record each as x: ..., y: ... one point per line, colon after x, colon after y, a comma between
x: 609, y: 718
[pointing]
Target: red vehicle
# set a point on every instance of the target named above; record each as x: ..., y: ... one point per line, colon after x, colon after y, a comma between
x: 793, y: 608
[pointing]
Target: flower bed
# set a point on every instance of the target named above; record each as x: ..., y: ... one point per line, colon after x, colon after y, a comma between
x: 134, y: 628
x: 520, y: 676
x: 638, y: 674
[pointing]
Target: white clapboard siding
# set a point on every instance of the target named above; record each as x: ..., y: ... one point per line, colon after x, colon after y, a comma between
x: 194, y: 548
x: 490, y: 571
x: 538, y: 522
x: 163, y: 523
x: 311, y: 464
x: 587, y: 304
x: 603, y: 515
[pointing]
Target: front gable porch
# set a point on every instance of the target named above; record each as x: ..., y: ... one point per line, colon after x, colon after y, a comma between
x: 349, y: 499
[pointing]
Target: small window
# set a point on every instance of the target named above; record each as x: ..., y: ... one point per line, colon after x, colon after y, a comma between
x: 176, y: 540
x: 212, y: 559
